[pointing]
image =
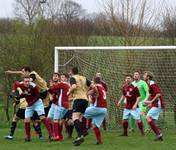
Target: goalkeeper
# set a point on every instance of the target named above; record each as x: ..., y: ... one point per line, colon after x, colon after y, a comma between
x: 144, y: 92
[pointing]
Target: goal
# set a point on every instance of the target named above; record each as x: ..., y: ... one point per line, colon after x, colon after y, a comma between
x: 114, y: 62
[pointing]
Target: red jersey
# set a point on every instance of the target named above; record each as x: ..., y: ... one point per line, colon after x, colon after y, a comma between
x: 103, y: 83
x: 31, y: 93
x: 61, y: 89
x: 153, y: 90
x: 131, y: 94
x: 100, y: 100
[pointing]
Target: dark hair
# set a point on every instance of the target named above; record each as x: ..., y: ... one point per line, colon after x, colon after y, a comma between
x: 26, y: 76
x: 138, y: 71
x: 149, y: 74
x: 56, y: 73
x: 74, y: 70
x: 97, y: 80
x: 129, y: 75
x: 26, y: 68
x: 65, y: 74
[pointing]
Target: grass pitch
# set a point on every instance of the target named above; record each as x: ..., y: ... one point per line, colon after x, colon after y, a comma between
x: 111, y: 141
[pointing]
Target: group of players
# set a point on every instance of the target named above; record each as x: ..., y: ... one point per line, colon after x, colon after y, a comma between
x: 65, y: 102
x: 72, y: 99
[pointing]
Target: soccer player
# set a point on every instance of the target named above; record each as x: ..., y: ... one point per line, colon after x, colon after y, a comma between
x: 20, y: 114
x: 155, y: 103
x: 98, y: 109
x: 132, y: 96
x: 39, y: 81
x: 60, y: 106
x: 79, y: 88
x: 144, y: 93
x: 31, y: 93
x: 103, y: 83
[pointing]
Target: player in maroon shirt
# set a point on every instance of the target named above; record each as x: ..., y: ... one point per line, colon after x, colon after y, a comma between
x: 98, y: 108
x: 131, y: 95
x: 155, y: 103
x: 31, y: 93
x: 60, y: 106
x: 98, y: 74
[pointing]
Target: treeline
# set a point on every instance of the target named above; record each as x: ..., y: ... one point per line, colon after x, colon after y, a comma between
x: 29, y: 38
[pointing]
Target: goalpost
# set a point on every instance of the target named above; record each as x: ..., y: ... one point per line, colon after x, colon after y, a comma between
x: 114, y: 61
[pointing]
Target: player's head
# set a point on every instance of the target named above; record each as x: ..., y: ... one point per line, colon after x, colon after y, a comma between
x: 64, y: 77
x: 74, y: 70
x: 56, y: 77
x: 98, y: 74
x: 128, y: 78
x: 26, y: 70
x: 137, y: 75
x: 97, y: 80
x: 26, y: 80
x: 148, y: 75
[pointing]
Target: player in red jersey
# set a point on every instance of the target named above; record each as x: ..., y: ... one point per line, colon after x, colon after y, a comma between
x: 131, y: 95
x: 155, y: 103
x: 98, y: 108
x: 60, y: 106
x: 98, y: 74
x: 31, y: 93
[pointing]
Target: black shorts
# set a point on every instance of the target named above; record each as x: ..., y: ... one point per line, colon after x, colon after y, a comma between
x: 43, y: 94
x: 80, y: 105
x: 68, y: 115
x: 47, y: 110
x: 21, y: 114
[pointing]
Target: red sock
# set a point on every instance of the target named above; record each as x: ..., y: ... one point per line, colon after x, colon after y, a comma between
x: 89, y: 123
x: 60, y: 131
x: 27, y: 130
x: 55, y: 128
x: 125, y: 127
x: 84, y: 123
x: 47, y: 124
x: 97, y: 134
x: 104, y: 124
x: 141, y: 128
x: 154, y: 127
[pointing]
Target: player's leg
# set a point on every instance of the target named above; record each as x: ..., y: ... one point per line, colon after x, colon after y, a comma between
x: 132, y: 124
x: 79, y: 107
x: 16, y: 117
x: 39, y: 108
x: 126, y: 114
x: 28, y: 114
x: 152, y: 115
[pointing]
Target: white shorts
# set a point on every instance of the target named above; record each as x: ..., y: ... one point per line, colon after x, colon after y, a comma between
x: 37, y: 106
x: 134, y: 113
x: 154, y: 112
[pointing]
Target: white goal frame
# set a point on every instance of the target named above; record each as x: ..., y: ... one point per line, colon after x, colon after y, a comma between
x: 58, y: 48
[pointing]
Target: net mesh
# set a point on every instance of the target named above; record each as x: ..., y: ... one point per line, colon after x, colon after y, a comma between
x: 113, y: 64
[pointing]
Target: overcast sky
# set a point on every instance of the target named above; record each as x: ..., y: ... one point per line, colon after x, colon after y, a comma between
x: 6, y: 6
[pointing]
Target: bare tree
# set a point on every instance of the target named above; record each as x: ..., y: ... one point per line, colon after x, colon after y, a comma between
x: 70, y: 10
x: 28, y: 10
x: 129, y: 18
x: 169, y: 24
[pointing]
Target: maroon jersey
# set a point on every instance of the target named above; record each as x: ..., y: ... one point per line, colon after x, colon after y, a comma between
x: 31, y: 93
x: 60, y: 90
x: 103, y: 83
x: 153, y: 90
x: 100, y: 100
x: 131, y: 94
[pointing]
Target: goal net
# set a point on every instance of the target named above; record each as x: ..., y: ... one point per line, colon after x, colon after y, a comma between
x: 114, y: 62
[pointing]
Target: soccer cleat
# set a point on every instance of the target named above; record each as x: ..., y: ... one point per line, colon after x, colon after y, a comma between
x: 99, y: 143
x: 8, y: 137
x: 159, y: 138
x: 78, y: 141
x: 27, y: 140
x: 123, y: 134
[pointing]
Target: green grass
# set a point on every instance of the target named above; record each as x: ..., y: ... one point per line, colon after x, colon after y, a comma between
x: 111, y: 141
